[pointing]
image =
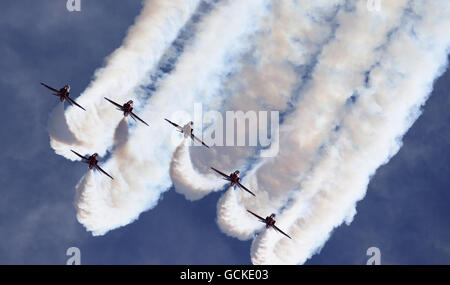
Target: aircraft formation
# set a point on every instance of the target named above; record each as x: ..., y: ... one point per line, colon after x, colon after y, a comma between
x: 187, y: 130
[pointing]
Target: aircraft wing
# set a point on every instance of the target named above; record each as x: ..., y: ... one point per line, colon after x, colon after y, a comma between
x: 104, y: 172
x: 259, y: 217
x: 197, y: 139
x: 71, y: 101
x: 175, y: 125
x: 221, y: 173
x: 51, y: 88
x: 244, y: 188
x: 277, y: 229
x: 85, y: 159
x: 133, y: 115
x: 114, y: 103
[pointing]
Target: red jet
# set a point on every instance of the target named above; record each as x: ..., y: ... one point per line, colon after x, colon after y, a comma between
x: 93, y: 162
x: 63, y: 94
x: 234, y: 179
x: 269, y: 221
x: 127, y: 109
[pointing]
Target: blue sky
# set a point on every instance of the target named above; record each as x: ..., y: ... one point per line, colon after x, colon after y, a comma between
x: 404, y: 213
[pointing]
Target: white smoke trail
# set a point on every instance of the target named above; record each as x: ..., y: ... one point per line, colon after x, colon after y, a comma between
x: 371, y: 73
x: 338, y: 75
x: 291, y: 37
x: 186, y: 179
x: 140, y: 167
x: 339, y: 72
x: 233, y: 219
x: 126, y: 68
x: 369, y: 135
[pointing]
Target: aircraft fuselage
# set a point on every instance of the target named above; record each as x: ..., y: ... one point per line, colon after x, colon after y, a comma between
x: 234, y: 178
x: 63, y: 93
x: 187, y: 130
x: 127, y: 108
x: 270, y: 221
x: 93, y: 161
